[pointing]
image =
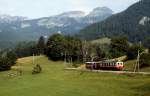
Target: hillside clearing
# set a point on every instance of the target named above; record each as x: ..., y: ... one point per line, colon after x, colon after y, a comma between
x: 102, y: 41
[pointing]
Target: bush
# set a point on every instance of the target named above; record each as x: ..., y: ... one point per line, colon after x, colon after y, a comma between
x: 145, y: 60
x: 5, y: 64
x: 7, y: 59
x: 37, y: 69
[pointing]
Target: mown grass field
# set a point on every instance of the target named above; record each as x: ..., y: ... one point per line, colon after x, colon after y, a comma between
x: 55, y: 81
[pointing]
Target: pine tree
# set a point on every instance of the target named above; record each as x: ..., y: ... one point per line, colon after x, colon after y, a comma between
x: 41, y: 45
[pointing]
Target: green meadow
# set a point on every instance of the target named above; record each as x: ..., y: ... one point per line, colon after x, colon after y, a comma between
x: 55, y: 81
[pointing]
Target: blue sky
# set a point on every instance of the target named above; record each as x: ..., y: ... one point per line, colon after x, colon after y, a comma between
x: 44, y: 8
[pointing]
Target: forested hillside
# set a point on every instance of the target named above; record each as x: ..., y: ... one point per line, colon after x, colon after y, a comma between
x: 133, y: 23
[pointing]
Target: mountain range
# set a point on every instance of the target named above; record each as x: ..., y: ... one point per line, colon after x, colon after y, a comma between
x: 133, y: 23
x: 15, y: 28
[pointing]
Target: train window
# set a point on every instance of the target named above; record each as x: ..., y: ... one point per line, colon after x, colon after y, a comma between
x: 113, y: 64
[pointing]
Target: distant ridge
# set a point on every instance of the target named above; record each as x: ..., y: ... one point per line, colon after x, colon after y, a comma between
x: 133, y: 23
x: 68, y: 23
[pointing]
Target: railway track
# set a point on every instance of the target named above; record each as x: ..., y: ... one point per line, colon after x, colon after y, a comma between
x: 105, y: 71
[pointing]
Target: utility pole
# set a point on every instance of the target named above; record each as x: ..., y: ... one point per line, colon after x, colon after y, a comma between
x: 137, y: 65
x: 33, y: 59
x: 84, y: 50
x: 71, y: 60
x: 65, y: 60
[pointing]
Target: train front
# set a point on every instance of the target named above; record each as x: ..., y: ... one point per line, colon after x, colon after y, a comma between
x: 119, y: 65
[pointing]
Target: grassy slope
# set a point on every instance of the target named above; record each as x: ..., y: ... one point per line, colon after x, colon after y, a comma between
x: 129, y: 65
x: 101, y: 41
x: 54, y: 81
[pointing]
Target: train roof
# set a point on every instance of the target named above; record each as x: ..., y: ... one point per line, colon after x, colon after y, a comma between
x: 112, y: 60
x: 93, y: 62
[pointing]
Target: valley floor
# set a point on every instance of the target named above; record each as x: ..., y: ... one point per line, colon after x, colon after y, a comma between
x: 55, y: 81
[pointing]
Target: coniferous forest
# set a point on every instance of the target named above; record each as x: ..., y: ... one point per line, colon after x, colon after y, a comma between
x: 133, y: 23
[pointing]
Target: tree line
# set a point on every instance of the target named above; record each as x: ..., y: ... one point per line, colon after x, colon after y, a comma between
x: 72, y: 49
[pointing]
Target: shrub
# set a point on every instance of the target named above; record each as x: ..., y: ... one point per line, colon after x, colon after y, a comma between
x: 37, y: 69
x: 145, y: 60
x: 7, y: 59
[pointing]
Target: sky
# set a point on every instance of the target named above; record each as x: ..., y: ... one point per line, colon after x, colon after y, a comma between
x: 45, y: 8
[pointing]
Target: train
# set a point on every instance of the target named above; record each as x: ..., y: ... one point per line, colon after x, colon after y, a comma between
x: 105, y: 65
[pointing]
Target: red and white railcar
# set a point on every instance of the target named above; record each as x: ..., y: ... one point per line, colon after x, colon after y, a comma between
x: 107, y: 64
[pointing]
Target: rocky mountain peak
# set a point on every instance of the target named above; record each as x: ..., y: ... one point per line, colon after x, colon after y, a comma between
x: 73, y: 14
x: 8, y: 18
x: 100, y: 11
